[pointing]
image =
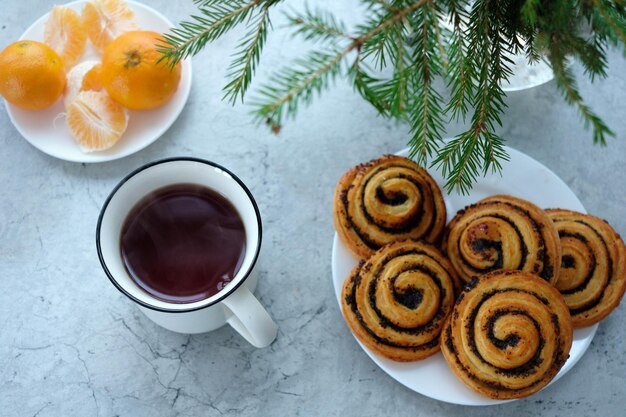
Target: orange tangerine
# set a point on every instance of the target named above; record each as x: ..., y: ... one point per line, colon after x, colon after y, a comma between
x: 32, y: 75
x: 96, y: 121
x: 64, y: 33
x: 105, y: 20
x: 131, y: 75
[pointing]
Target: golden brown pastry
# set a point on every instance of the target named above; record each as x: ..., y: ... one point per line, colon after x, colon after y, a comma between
x: 593, y: 266
x: 502, y: 231
x: 397, y: 301
x: 386, y: 200
x: 509, y: 334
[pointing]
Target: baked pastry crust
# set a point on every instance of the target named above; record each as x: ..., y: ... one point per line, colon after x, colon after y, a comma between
x: 397, y: 301
x: 509, y: 334
x: 385, y: 200
x: 593, y: 266
x: 503, y: 232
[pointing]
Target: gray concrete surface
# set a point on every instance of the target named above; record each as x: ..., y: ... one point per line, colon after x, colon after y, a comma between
x: 72, y: 345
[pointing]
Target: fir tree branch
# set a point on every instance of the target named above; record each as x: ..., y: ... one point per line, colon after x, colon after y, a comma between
x: 460, y: 68
x: 426, y: 111
x: 566, y: 83
x: 561, y: 43
x: 398, y: 87
x: 246, y: 60
x: 207, y: 3
x: 529, y: 11
x: 216, y: 18
x: 440, y: 43
x: 381, y: 46
x: 457, y: 156
x: 405, y: 36
x: 398, y: 84
x: 317, y: 25
x: 613, y: 18
x: 460, y: 160
x: 592, y: 55
x: 296, y: 85
x: 290, y: 87
x: 383, y: 4
x: 372, y: 89
x: 531, y: 49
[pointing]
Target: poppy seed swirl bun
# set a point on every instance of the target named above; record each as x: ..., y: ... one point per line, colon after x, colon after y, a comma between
x: 509, y: 334
x: 593, y: 266
x: 387, y: 200
x: 397, y: 302
x: 503, y: 232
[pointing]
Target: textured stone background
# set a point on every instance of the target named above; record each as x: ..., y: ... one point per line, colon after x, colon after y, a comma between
x: 70, y: 344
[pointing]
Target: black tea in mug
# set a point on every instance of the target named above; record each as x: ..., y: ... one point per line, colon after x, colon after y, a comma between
x: 183, y: 243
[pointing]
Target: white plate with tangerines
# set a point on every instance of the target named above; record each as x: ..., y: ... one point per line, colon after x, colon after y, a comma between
x: 48, y: 129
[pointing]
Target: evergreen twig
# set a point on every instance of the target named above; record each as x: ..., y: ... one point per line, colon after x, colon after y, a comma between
x: 401, y: 47
x: 566, y: 83
x: 292, y: 87
x: 426, y: 112
x: 317, y: 25
x: 216, y: 18
x: 247, y: 58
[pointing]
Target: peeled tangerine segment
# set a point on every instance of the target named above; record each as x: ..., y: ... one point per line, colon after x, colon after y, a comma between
x: 80, y: 78
x: 91, y: 80
x: 64, y: 32
x: 96, y: 121
x: 105, y: 20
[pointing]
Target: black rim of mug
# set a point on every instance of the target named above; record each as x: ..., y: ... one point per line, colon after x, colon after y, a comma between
x: 164, y: 161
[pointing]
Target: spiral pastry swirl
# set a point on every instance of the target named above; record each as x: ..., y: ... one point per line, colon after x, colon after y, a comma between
x: 503, y: 232
x: 509, y: 334
x: 397, y: 301
x: 593, y: 266
x: 386, y: 200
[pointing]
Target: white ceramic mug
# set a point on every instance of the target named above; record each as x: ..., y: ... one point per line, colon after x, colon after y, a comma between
x: 234, y: 304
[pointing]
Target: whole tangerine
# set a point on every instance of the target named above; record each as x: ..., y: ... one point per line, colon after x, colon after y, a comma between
x: 131, y: 74
x: 32, y: 75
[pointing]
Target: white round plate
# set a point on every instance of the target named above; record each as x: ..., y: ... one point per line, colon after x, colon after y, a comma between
x: 525, y: 75
x: 50, y: 134
x: 523, y: 177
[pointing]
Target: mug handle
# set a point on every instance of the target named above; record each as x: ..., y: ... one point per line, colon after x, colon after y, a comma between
x: 249, y: 318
